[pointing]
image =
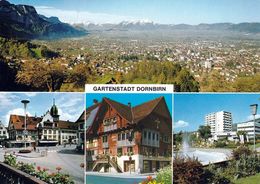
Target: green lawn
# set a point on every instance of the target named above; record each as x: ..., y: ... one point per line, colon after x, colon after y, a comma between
x: 249, y: 180
x: 257, y: 145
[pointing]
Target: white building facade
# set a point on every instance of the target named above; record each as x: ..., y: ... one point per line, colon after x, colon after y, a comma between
x: 219, y: 122
x: 249, y: 127
x: 3, y: 132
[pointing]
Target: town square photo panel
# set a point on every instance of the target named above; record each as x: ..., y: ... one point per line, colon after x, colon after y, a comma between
x: 42, y: 135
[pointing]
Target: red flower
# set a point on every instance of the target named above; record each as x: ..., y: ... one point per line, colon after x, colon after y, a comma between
x: 38, y: 168
x: 149, y: 178
x: 45, y: 169
x: 58, y: 168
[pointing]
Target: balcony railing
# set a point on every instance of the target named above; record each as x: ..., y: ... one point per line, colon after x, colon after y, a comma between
x: 125, y: 143
x: 10, y: 175
x: 148, y: 142
x: 110, y: 127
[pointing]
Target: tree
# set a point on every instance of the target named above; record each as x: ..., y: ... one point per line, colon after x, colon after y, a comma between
x: 164, y: 73
x: 204, y: 132
x: 186, y: 81
x: 247, y: 84
x: 215, y: 82
x: 178, y: 138
x: 80, y: 75
x: 48, y: 76
x: 119, y: 77
x: 242, y: 136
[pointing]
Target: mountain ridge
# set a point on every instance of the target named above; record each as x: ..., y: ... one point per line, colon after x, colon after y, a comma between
x: 247, y: 27
x: 23, y: 22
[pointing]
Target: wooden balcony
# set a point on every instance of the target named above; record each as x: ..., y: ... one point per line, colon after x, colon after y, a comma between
x: 125, y: 143
x: 108, y: 128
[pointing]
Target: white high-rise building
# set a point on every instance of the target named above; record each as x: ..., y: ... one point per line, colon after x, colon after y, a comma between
x: 219, y: 122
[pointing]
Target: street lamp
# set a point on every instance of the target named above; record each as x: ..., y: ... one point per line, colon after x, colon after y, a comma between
x: 25, y: 102
x: 253, y: 108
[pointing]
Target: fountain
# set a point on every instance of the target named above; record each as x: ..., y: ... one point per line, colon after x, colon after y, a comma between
x: 205, y: 156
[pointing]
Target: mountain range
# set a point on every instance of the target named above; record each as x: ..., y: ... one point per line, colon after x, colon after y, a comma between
x: 23, y: 22
x: 144, y: 26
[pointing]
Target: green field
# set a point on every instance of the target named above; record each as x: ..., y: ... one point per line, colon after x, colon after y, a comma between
x: 249, y: 180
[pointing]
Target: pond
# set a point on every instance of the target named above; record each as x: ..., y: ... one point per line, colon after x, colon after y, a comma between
x: 93, y: 179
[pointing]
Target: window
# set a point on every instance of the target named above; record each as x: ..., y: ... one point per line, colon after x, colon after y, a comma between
x: 153, y: 136
x: 129, y: 149
x: 145, y: 134
x: 81, y: 126
x: 3, y: 132
x: 45, y: 131
x: 123, y: 136
x: 149, y: 135
x: 157, y: 137
x: 119, y: 151
x: 119, y: 137
x: 49, y: 131
x: 104, y: 138
x: 127, y: 135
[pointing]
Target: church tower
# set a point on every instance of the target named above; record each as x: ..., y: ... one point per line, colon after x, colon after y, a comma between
x: 54, y: 112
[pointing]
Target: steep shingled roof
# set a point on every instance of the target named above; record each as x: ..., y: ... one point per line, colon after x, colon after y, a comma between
x: 124, y: 110
x: 18, y: 122
x: 143, y: 110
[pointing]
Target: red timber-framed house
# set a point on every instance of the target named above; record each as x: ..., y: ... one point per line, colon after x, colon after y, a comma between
x: 122, y: 138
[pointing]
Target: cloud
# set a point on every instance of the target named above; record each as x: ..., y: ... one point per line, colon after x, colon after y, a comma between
x: 251, y: 117
x: 70, y: 101
x: 181, y: 124
x: 17, y: 111
x: 7, y: 100
x: 30, y: 94
x: 70, y: 105
x: 68, y: 116
x: 85, y: 17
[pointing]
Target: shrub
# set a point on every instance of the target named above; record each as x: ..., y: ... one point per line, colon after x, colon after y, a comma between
x: 58, y: 178
x: 246, y: 165
x: 10, y: 160
x: 240, y: 151
x: 220, y: 144
x: 188, y: 171
x: 218, y: 175
x: 164, y: 175
x: 27, y: 168
x: 42, y: 174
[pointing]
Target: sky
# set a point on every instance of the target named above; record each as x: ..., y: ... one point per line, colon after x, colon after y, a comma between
x: 190, y: 109
x: 70, y: 105
x: 134, y: 99
x: 158, y: 11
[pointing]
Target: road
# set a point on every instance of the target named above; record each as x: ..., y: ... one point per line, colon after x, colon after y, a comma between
x: 66, y: 158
